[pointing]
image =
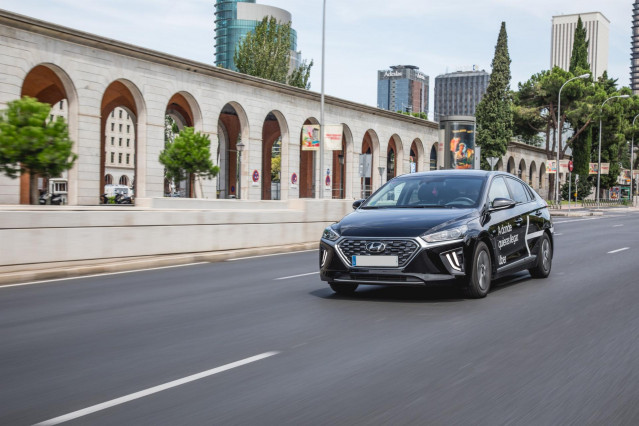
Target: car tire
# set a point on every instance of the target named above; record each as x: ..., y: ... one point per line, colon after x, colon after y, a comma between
x: 345, y: 289
x: 544, y: 258
x: 478, y: 282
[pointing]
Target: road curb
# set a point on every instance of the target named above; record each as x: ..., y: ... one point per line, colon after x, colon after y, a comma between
x: 39, y: 272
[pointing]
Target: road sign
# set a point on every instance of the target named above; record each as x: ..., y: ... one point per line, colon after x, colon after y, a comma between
x: 570, y: 166
x: 492, y: 161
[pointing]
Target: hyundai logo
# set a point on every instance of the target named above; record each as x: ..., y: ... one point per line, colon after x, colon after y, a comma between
x: 376, y: 247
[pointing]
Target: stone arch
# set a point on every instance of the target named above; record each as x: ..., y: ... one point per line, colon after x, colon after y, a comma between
x: 433, y: 157
x: 532, y: 175
x: 308, y: 160
x: 108, y: 179
x: 124, y: 94
x: 370, y: 145
x: 184, y: 111
x: 510, y: 166
x: 521, y: 170
x: 233, y: 125
x: 416, y: 156
x: 274, y: 138
x: 50, y: 84
x: 344, y: 176
x: 394, y: 157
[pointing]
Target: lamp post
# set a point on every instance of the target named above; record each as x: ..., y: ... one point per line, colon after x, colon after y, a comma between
x: 321, y: 150
x: 239, y: 147
x: 632, y: 149
x: 599, y: 150
x: 587, y: 75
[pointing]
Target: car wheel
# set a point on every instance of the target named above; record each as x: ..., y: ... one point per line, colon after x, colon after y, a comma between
x: 345, y: 289
x: 544, y: 258
x: 478, y: 282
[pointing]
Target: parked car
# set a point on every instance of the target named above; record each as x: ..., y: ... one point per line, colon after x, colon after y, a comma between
x: 462, y: 227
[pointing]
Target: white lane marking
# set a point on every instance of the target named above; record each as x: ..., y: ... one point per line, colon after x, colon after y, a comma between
x: 616, y: 226
x: 575, y: 220
x: 154, y: 389
x: 556, y: 235
x: 618, y: 250
x: 269, y: 255
x: 295, y: 276
x: 105, y: 274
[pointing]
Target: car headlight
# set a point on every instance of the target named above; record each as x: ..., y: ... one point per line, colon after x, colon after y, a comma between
x: 330, y: 234
x: 446, y: 235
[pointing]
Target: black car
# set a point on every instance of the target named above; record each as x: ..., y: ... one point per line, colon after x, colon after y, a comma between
x: 463, y: 227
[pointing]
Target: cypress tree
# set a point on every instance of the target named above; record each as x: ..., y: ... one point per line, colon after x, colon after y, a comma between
x: 494, y: 115
x: 579, y: 58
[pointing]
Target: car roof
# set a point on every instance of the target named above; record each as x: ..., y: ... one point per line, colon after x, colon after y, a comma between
x: 472, y: 172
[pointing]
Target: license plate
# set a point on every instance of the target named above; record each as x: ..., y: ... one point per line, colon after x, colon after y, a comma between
x: 389, y: 261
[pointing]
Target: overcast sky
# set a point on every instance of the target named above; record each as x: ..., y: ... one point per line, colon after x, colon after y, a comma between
x: 362, y: 36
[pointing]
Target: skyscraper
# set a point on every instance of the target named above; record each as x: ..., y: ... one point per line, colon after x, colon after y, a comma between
x: 597, y: 34
x: 458, y: 93
x: 236, y: 18
x: 634, y: 57
x: 402, y: 88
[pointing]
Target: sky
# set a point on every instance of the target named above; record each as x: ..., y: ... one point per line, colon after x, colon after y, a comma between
x: 362, y: 36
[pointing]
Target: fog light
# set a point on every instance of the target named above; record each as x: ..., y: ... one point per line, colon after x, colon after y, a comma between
x: 455, y: 259
x: 323, y: 257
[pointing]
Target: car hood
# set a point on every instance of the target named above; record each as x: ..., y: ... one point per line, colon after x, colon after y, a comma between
x: 389, y: 222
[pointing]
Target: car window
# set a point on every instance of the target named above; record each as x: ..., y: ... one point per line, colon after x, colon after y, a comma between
x: 391, y: 197
x: 518, y: 191
x: 498, y: 189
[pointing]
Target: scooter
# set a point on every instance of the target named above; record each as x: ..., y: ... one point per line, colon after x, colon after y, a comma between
x: 47, y: 198
x: 123, y: 199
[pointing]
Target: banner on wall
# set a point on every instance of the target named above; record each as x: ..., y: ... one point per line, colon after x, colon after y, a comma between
x: 332, y: 137
x: 563, y: 166
x: 551, y: 166
x: 310, y: 137
x: 605, y: 168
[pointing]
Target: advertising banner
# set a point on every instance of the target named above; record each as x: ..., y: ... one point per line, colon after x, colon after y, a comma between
x: 605, y: 168
x: 551, y: 166
x: 310, y: 137
x: 563, y: 166
x: 462, y: 146
x: 333, y: 137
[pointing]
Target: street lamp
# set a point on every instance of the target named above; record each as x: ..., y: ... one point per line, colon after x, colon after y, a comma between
x: 239, y: 147
x: 587, y: 75
x: 632, y: 149
x: 321, y: 150
x: 599, y: 157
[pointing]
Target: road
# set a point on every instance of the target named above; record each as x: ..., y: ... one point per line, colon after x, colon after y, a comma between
x: 563, y: 350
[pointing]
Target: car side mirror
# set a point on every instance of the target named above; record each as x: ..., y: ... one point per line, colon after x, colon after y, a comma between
x: 357, y: 203
x: 502, y: 204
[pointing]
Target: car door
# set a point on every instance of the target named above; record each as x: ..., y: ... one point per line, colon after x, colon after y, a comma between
x: 521, y: 215
x: 501, y: 226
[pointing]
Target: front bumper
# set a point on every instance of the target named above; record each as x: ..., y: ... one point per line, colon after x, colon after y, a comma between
x: 430, y: 264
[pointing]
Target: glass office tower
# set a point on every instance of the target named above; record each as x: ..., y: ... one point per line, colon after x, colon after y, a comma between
x: 402, y: 88
x: 236, y: 18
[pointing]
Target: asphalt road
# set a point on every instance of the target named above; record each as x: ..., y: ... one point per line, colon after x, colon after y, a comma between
x: 564, y: 350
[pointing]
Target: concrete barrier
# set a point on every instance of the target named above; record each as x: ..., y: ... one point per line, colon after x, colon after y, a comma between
x: 32, y: 234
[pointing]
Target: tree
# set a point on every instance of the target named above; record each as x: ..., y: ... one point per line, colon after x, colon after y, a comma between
x: 188, y: 154
x: 579, y: 57
x: 494, y: 113
x: 28, y: 144
x: 266, y: 53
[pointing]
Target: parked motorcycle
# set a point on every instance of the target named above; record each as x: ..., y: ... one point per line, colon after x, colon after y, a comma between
x: 123, y: 199
x: 47, y: 198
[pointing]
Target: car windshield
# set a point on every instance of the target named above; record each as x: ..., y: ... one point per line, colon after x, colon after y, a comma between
x: 425, y: 191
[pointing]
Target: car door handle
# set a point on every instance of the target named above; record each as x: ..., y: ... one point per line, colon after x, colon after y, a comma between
x: 518, y: 221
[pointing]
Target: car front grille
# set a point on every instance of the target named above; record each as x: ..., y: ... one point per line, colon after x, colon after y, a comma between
x: 403, y: 249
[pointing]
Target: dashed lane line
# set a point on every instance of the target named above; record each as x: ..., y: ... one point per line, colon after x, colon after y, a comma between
x: 618, y: 250
x: 295, y: 276
x: 268, y: 255
x: 154, y: 389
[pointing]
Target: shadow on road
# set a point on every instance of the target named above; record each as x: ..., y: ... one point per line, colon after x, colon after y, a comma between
x: 407, y: 294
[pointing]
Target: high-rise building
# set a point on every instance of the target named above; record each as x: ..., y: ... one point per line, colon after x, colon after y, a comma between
x: 563, y: 36
x: 634, y: 57
x: 402, y: 88
x: 236, y: 18
x: 458, y: 93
